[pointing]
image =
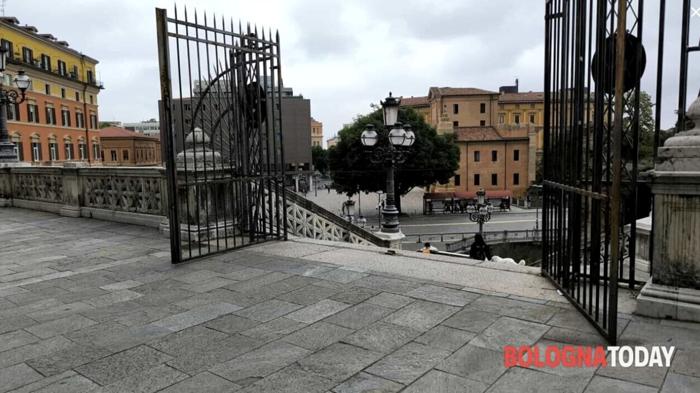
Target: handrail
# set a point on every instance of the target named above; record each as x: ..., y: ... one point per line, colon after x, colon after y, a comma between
x: 293, y: 197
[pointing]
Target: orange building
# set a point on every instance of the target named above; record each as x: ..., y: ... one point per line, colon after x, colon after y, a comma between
x: 122, y: 147
x: 58, y: 121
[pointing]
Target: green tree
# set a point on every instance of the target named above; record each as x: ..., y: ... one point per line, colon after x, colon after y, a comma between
x: 432, y: 159
x: 646, y: 131
x: 319, y: 157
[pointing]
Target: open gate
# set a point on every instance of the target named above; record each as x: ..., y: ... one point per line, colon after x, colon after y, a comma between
x: 221, y: 131
x: 591, y: 139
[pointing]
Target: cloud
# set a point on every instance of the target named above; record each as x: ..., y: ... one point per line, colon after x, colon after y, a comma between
x: 343, y: 55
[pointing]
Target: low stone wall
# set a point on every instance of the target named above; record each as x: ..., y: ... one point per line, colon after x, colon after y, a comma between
x: 139, y: 196
x: 129, y: 195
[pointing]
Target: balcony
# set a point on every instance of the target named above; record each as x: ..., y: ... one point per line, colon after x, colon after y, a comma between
x: 35, y: 64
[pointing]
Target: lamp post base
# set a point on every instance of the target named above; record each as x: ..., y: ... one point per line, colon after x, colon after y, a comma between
x: 8, y: 153
x: 394, y: 238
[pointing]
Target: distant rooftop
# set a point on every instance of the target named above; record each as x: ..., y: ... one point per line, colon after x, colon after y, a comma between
x: 14, y: 23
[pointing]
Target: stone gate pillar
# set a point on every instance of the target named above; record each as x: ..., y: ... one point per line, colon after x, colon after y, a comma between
x: 674, y: 288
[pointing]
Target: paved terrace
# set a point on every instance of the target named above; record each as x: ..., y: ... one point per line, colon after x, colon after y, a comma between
x: 87, y: 305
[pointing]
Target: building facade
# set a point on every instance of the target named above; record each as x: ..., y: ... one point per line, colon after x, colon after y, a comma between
x: 58, y: 121
x: 147, y: 127
x: 122, y: 147
x: 331, y: 142
x: 499, y: 134
x: 316, y: 133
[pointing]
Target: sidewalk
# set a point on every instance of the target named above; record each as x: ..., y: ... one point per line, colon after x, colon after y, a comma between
x: 91, y: 306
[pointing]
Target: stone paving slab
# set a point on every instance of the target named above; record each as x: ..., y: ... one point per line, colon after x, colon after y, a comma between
x: 98, y: 307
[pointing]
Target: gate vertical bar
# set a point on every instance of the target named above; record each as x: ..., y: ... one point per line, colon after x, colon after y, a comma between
x: 167, y: 133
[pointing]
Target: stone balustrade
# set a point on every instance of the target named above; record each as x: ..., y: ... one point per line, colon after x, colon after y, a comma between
x: 139, y: 196
x: 129, y: 195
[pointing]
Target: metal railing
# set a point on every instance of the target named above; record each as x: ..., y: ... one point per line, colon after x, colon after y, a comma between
x: 455, y: 242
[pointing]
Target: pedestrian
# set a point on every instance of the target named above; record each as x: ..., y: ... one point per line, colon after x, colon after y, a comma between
x: 479, y: 249
x: 428, y: 249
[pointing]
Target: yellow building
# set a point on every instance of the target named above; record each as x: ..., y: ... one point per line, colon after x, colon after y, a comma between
x: 316, y: 133
x: 332, y: 142
x: 59, y: 119
x: 504, y: 127
x: 419, y: 104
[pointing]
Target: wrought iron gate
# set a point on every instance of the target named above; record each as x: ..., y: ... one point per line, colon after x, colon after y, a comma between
x: 591, y: 149
x: 221, y: 130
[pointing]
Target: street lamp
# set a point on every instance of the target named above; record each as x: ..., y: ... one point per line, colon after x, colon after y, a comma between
x: 389, y: 148
x: 482, y: 214
x: 9, y: 97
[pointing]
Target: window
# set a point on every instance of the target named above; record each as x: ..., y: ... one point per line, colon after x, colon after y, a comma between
x: 477, y: 179
x: 455, y: 124
x: 19, y: 149
x: 36, y: 149
x: 77, y: 96
x: 79, y: 120
x: 516, y: 118
x: 482, y: 109
x: 82, y: 150
x: 62, y: 68
x: 50, y: 115
x: 45, y: 62
x: 47, y: 89
x: 74, y: 73
x: 17, y: 140
x: 13, y: 112
x: 113, y: 153
x: 494, y: 179
x: 92, y: 100
x: 27, y: 55
x: 69, y: 149
x: 90, y: 77
x: 455, y: 108
x: 532, y: 118
x: 477, y: 156
x: 65, y: 117
x: 33, y: 113
x: 501, y: 118
x: 7, y: 45
x: 93, y: 120
x: 516, y: 155
x: 494, y: 155
x: 95, y: 151
x: 482, y: 123
x: 457, y: 180
x: 53, y: 150
x: 63, y: 92
x: 516, y: 179
x: 125, y: 155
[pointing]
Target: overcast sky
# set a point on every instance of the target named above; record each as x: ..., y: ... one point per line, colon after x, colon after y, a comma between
x: 344, y: 54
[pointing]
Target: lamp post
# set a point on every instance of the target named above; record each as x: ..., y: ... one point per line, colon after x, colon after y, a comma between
x: 9, y: 97
x: 482, y: 214
x: 389, y: 148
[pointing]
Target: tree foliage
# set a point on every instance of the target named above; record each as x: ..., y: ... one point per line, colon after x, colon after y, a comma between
x: 432, y: 159
x: 319, y: 158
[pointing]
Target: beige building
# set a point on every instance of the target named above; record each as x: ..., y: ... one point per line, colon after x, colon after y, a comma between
x: 499, y: 134
x: 332, y: 142
x: 316, y: 133
x: 122, y: 147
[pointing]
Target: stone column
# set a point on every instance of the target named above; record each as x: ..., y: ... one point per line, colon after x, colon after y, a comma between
x: 674, y: 288
x: 71, y: 192
x: 5, y: 187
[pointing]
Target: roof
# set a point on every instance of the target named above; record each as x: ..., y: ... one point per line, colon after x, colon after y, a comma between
x: 479, y: 134
x: 521, y: 97
x: 414, y: 101
x: 118, y: 132
x: 13, y: 23
x: 459, y: 91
